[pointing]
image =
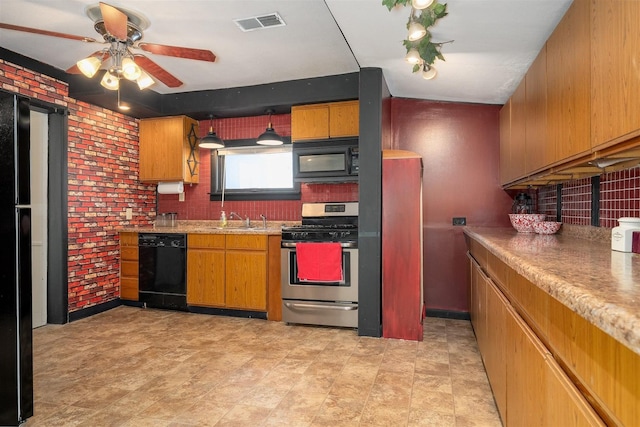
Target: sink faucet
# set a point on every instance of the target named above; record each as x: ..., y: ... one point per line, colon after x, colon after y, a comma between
x: 232, y: 214
x: 264, y: 221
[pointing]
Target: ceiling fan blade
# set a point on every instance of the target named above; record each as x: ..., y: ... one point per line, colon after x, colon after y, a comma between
x: 46, y: 33
x: 76, y: 70
x: 157, y: 71
x: 114, y: 21
x: 178, y: 52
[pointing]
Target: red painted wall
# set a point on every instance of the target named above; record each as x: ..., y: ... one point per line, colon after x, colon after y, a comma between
x: 102, y: 182
x: 459, y: 144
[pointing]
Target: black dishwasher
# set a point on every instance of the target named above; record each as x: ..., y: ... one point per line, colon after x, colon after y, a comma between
x: 162, y: 270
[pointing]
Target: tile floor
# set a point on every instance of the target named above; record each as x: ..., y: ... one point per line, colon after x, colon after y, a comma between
x: 143, y: 367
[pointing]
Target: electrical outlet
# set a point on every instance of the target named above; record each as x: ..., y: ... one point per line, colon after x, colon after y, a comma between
x: 459, y: 220
x: 181, y: 197
x: 129, y: 213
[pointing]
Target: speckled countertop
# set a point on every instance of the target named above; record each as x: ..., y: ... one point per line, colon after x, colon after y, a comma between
x: 601, y: 285
x: 213, y: 227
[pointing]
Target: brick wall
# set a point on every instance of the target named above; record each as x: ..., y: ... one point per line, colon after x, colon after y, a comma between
x: 198, y: 206
x: 102, y: 183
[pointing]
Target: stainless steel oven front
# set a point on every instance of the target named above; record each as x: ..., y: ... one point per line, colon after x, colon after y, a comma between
x: 320, y: 303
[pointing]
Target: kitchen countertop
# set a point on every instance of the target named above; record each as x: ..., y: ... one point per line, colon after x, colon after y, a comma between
x: 601, y: 285
x: 213, y: 227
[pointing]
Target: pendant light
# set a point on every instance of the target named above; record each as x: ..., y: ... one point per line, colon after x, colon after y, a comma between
x: 269, y: 137
x: 211, y: 141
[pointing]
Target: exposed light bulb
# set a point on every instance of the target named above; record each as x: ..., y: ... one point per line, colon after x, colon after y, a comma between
x: 89, y: 66
x: 130, y: 69
x: 109, y: 81
x: 421, y: 4
x: 416, y: 31
x: 145, y: 80
x: 428, y: 72
x: 413, y: 57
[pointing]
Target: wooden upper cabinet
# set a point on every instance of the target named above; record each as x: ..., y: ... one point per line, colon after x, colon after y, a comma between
x: 518, y: 154
x: 615, y: 79
x: 344, y: 119
x: 568, y: 84
x: 538, y: 153
x: 505, y: 143
x: 322, y: 121
x: 309, y: 122
x: 168, y: 149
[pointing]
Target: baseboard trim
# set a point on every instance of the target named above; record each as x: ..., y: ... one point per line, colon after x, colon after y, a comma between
x: 93, y: 310
x: 227, y: 312
x: 448, y: 314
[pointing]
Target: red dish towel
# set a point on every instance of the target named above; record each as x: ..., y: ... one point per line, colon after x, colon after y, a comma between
x: 319, y: 262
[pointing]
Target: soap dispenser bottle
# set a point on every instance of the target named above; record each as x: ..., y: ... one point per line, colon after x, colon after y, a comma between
x: 223, y: 219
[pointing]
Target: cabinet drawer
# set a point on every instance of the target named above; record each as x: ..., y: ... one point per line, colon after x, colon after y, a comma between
x: 129, y: 288
x: 129, y: 253
x: 129, y: 239
x: 205, y: 241
x: 244, y: 241
x: 129, y: 269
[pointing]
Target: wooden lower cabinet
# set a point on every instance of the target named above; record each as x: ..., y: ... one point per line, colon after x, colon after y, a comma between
x: 206, y: 270
x: 529, y: 386
x: 229, y: 271
x: 129, y: 266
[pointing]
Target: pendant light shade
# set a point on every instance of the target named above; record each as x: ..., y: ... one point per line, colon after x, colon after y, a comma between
x: 413, y: 57
x: 109, y: 81
x: 89, y: 66
x: 428, y: 72
x: 269, y: 137
x: 416, y: 31
x: 211, y: 141
x: 421, y: 4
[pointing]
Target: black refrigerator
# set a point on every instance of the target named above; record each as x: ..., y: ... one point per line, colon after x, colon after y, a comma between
x: 16, y: 356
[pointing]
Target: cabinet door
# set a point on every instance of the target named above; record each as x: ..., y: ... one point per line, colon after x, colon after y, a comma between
x: 206, y: 277
x: 344, y: 119
x: 565, y: 405
x: 309, y: 122
x: 165, y: 152
x: 569, y: 85
x: 526, y: 372
x: 495, y: 358
x: 517, y: 160
x: 246, y: 280
x: 505, y: 143
x: 615, y: 53
x: 538, y: 154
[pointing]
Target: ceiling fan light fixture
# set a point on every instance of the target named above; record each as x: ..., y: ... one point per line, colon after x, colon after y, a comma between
x: 416, y: 31
x: 130, y: 69
x: 144, y: 81
x: 89, y: 66
x: 429, y: 72
x: 269, y: 136
x: 109, y: 81
x: 211, y: 141
x: 421, y: 4
x: 413, y: 57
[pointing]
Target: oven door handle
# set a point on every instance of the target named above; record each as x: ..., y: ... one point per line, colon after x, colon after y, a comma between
x: 315, y: 306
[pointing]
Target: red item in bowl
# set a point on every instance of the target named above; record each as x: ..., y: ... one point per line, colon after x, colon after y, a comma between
x: 523, y: 223
x: 546, y: 227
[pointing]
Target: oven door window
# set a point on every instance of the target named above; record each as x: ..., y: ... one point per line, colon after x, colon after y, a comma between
x: 346, y: 269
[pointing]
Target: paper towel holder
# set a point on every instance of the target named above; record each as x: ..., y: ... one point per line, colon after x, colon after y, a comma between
x: 176, y: 187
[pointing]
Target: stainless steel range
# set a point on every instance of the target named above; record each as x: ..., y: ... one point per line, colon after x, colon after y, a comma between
x: 329, y: 301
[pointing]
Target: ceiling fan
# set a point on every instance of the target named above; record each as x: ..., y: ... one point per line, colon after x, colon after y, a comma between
x: 122, y: 30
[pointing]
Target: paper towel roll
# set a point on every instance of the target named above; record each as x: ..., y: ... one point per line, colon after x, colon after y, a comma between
x: 170, y: 187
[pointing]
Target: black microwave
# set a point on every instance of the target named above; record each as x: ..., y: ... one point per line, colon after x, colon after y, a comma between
x: 326, y: 161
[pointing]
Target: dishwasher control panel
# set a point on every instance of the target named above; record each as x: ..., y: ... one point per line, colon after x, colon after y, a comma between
x: 161, y: 240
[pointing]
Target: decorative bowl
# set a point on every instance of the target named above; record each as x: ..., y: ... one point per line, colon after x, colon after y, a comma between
x: 546, y: 227
x: 523, y: 223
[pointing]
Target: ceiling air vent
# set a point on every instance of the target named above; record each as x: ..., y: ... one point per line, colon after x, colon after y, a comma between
x: 260, y: 22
